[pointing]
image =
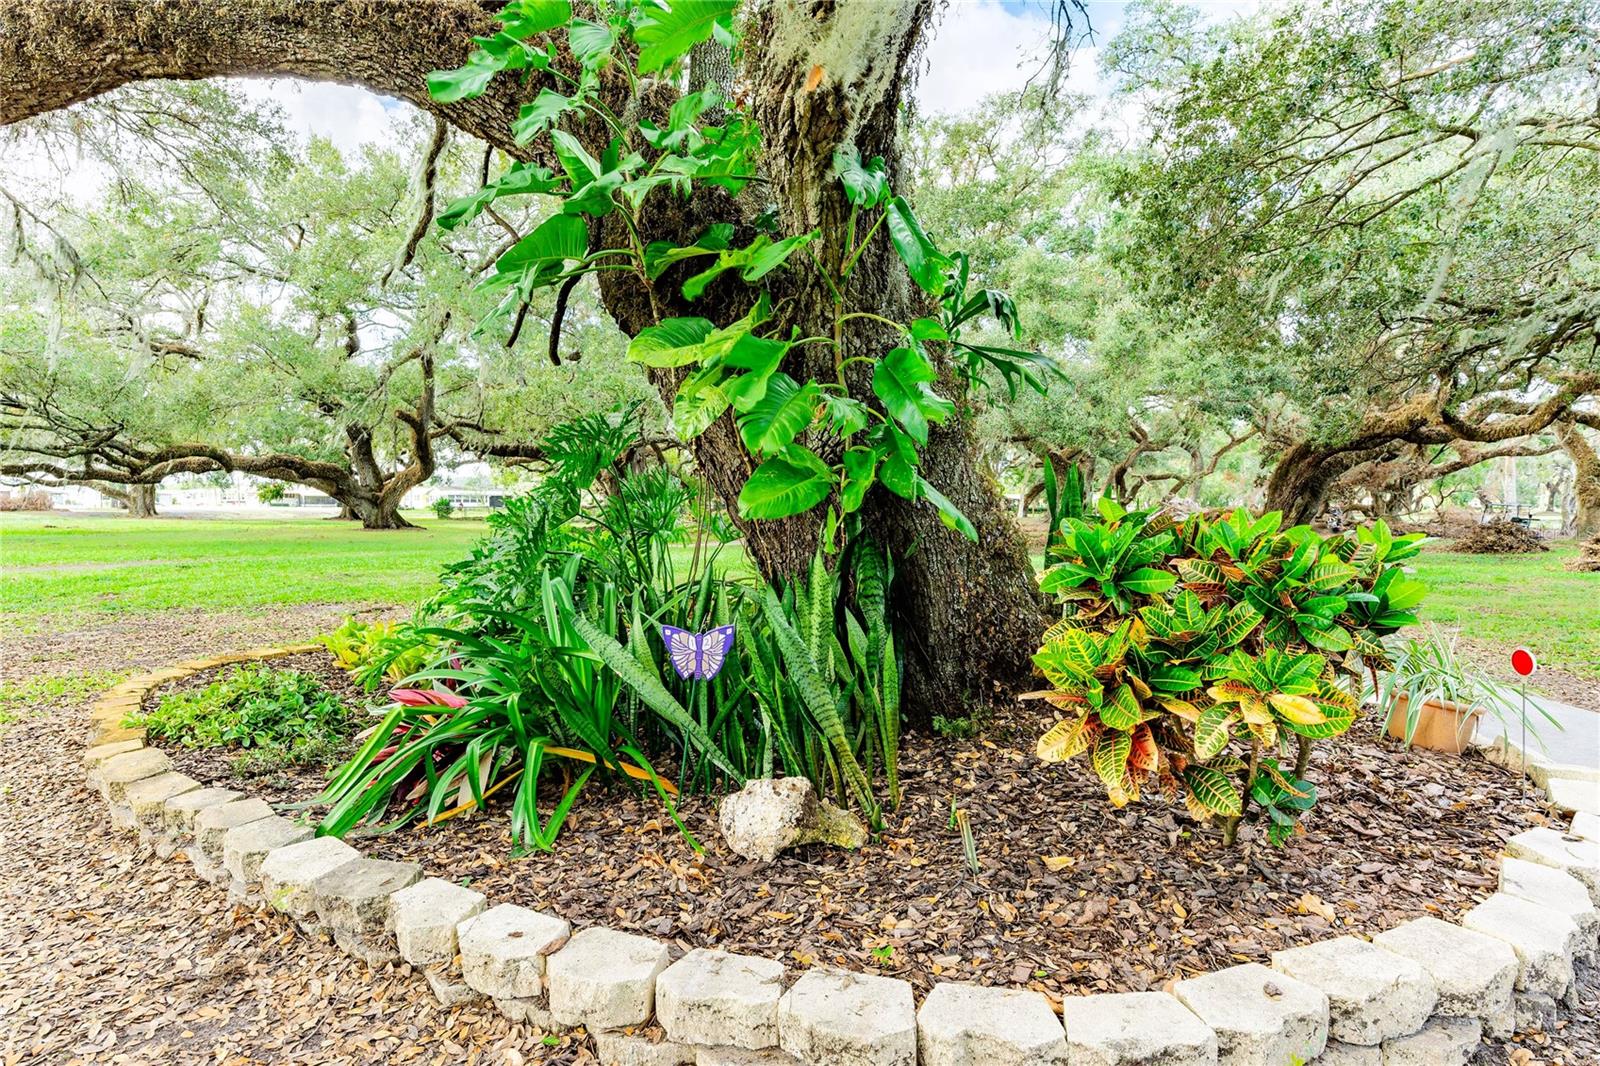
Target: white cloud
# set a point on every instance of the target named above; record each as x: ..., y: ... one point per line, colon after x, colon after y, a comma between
x: 347, y: 116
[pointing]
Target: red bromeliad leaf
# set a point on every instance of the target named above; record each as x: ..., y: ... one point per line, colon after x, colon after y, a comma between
x: 426, y: 697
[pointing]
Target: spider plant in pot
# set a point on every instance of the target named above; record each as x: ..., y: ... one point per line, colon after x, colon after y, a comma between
x: 1431, y: 699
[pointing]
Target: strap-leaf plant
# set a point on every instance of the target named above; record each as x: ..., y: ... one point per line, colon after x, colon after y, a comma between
x: 1196, y: 655
x: 812, y: 440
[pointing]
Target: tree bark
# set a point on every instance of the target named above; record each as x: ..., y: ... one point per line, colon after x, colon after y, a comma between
x: 1586, y: 482
x: 970, y: 612
x: 141, y: 501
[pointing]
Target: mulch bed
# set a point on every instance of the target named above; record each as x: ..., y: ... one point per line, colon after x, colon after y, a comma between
x: 1072, y: 896
x: 215, y: 766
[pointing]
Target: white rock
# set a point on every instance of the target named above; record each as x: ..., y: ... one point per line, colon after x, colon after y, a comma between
x: 1442, y: 1042
x: 1577, y: 855
x: 712, y: 997
x: 353, y: 902
x: 447, y: 986
x: 633, y: 1049
x: 1473, y: 973
x: 424, y: 917
x: 1135, y: 1029
x: 245, y: 846
x: 1373, y: 994
x: 1261, y: 1017
x: 288, y: 873
x: 770, y: 814
x: 1557, y: 890
x: 1585, y: 825
x: 1568, y: 795
x: 970, y: 1025
x: 503, y: 950
x: 604, y: 979
x: 1544, y: 940
x: 849, y: 1019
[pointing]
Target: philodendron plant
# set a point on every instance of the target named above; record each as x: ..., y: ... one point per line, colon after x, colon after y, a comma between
x: 1198, y: 656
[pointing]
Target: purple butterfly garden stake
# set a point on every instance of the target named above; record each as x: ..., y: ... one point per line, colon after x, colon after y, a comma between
x: 699, y: 655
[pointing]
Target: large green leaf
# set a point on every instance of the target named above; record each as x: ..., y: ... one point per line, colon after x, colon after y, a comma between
x: 659, y: 255
x: 865, y: 185
x: 522, y: 179
x: 786, y: 485
x: 547, y: 249
x: 902, y: 380
x: 759, y: 357
x: 753, y: 262
x: 700, y: 401
x: 575, y: 159
x: 925, y: 262
x: 464, y: 82
x: 675, y: 342
x: 784, y: 411
x: 1213, y: 791
x: 860, y: 471
x: 538, y: 116
x: 591, y: 42
x: 949, y: 513
x: 665, y: 34
x: 524, y: 18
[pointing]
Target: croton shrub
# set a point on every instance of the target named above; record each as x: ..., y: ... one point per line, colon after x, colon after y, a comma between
x: 1206, y: 658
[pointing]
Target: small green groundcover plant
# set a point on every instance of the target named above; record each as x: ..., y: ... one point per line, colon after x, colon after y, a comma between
x: 274, y: 717
x: 1207, y: 657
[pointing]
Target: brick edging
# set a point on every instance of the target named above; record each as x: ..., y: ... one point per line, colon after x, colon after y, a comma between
x: 1508, y: 967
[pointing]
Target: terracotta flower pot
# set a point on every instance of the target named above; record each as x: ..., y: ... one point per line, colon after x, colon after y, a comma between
x: 1442, y: 725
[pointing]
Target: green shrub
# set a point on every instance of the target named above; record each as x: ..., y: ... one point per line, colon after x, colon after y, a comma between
x: 443, y: 508
x: 285, y: 715
x: 271, y: 492
x: 1195, y: 657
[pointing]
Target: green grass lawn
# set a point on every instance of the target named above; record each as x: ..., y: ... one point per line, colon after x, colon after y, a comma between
x: 1518, y: 599
x: 53, y: 563
x: 57, y: 564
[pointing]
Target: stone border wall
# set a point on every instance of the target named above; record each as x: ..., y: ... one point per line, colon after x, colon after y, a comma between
x: 1423, y: 993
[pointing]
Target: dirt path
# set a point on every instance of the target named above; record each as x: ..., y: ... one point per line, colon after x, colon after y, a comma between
x: 109, y: 955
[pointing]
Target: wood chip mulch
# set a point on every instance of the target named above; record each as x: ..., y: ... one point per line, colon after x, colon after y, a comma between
x: 119, y: 957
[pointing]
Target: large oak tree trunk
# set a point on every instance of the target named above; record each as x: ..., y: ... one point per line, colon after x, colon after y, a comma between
x: 1586, y: 484
x: 141, y: 501
x: 970, y: 612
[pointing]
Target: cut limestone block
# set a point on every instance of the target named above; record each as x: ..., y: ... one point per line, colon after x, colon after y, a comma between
x: 1577, y: 855
x: 1442, y: 1042
x: 528, y: 1010
x: 105, y: 733
x: 113, y: 776
x: 850, y: 1019
x: 1261, y: 1017
x: 353, y: 902
x: 211, y: 825
x: 1544, y: 940
x: 245, y: 846
x: 1567, y: 795
x: 604, y: 979
x: 1373, y: 994
x: 1585, y: 825
x: 1543, y: 773
x: 98, y: 754
x: 738, y: 1056
x: 1338, y: 1053
x: 1557, y: 890
x: 712, y: 997
x: 970, y: 1025
x: 1473, y: 973
x: 424, y: 919
x: 1536, y: 1012
x: 177, y: 816
x: 448, y: 987
x: 147, y: 799
x: 288, y: 873
x: 1131, y: 1028
x: 503, y: 950
x: 636, y: 1049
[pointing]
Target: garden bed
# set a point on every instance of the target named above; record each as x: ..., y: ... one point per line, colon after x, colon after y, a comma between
x: 279, y: 785
x: 1073, y: 896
